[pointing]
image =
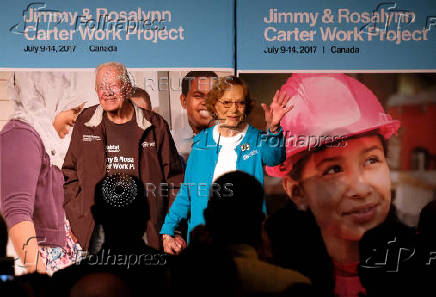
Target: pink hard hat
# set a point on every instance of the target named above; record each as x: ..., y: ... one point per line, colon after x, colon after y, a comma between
x: 328, y: 107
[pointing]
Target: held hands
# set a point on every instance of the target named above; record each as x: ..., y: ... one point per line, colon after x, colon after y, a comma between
x: 173, y: 245
x: 277, y: 109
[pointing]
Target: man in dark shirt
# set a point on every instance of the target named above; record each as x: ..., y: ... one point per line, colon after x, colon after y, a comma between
x: 113, y: 137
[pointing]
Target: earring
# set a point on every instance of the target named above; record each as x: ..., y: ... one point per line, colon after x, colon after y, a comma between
x: 302, y: 207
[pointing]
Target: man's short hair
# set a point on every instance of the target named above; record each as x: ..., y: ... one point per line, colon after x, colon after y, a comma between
x: 125, y: 78
x: 138, y: 92
x: 186, y: 82
x: 141, y: 93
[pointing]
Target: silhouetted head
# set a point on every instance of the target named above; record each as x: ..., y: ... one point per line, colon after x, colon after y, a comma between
x: 427, y: 220
x: 102, y: 284
x: 3, y: 237
x: 234, y: 212
x: 212, y: 268
x: 121, y: 206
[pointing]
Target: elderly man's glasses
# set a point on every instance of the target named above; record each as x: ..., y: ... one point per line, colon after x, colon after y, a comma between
x: 228, y: 104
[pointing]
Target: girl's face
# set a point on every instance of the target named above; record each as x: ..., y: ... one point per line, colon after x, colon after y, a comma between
x: 348, y: 188
x: 66, y: 119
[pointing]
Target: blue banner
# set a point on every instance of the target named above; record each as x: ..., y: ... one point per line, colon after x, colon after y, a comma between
x: 336, y: 35
x: 141, y: 34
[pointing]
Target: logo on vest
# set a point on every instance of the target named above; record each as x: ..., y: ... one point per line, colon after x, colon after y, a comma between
x: 112, y: 148
x: 148, y: 144
x: 89, y: 138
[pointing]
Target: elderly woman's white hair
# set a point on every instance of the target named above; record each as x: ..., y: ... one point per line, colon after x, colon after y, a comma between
x: 37, y: 98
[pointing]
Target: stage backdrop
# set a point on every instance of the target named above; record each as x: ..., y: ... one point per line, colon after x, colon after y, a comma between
x: 336, y: 35
x: 141, y: 34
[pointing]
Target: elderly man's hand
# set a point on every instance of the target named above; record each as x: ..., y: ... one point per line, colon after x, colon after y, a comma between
x: 173, y: 245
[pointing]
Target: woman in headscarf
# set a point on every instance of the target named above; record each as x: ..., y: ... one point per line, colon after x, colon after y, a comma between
x: 32, y: 147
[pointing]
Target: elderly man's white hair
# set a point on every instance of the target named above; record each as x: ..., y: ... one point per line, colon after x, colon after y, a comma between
x: 124, y: 75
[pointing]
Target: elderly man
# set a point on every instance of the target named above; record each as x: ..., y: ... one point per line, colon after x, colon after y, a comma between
x: 118, y: 137
x: 195, y: 87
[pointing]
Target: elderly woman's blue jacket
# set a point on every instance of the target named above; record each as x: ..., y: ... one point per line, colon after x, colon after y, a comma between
x: 256, y: 149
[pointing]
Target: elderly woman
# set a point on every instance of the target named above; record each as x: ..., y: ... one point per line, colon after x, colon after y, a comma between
x: 33, y: 146
x: 230, y: 145
x: 338, y: 178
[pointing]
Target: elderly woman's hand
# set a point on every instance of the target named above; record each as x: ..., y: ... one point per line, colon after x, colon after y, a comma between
x: 173, y: 245
x: 277, y: 109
